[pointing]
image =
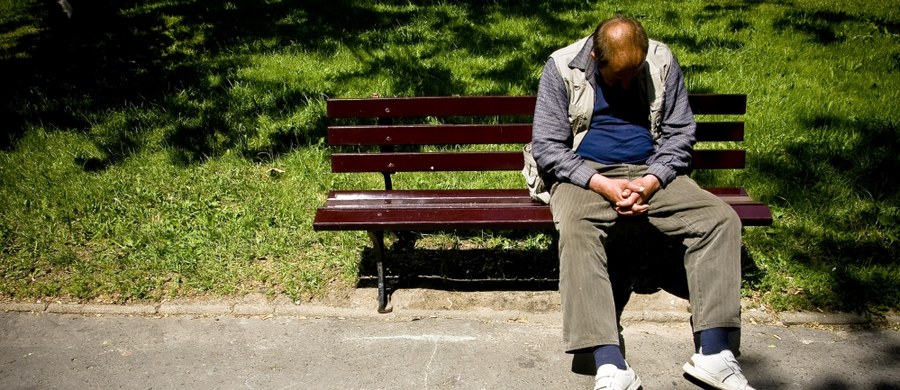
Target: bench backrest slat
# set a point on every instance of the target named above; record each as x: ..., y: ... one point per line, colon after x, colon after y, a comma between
x: 426, y: 162
x: 514, y: 133
x: 430, y: 134
x: 708, y: 104
x: 701, y: 104
x: 431, y: 106
x: 488, y: 161
x: 720, y: 131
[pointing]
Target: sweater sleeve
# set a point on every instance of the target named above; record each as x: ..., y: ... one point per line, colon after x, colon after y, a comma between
x: 678, y: 130
x: 551, y: 138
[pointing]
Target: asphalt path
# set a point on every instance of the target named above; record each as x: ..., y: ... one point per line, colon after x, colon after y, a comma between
x: 413, y: 349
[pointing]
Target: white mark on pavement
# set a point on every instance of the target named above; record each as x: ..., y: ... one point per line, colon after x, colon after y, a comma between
x: 425, y: 337
x: 432, y: 338
x: 428, y: 366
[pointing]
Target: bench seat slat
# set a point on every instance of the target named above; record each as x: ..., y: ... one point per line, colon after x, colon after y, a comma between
x: 457, y: 209
x: 722, y: 191
x: 753, y: 213
x: 450, y: 198
x: 446, y: 202
x: 411, y: 194
x: 489, y: 161
x: 327, y: 218
x: 459, y: 203
x: 431, y: 203
x: 434, y: 218
x: 475, y: 193
x: 440, y: 218
x: 401, y: 198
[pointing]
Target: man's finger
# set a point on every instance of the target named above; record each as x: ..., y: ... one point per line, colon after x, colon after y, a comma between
x: 629, y: 201
x: 636, y: 188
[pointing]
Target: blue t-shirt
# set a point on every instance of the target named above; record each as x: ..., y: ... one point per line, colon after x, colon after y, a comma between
x: 619, y: 131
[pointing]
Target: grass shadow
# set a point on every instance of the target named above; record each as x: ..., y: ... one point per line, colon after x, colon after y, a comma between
x: 112, y: 56
x: 179, y: 60
x: 821, y: 26
x: 641, y: 260
x: 849, y: 192
x: 465, y: 265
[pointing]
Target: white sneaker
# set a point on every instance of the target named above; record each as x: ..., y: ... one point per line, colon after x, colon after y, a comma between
x: 720, y: 371
x: 610, y: 377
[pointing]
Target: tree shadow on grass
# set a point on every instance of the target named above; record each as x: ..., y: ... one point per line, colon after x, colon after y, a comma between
x: 821, y: 26
x: 172, y: 67
x: 122, y: 72
x: 851, y: 245
x: 177, y: 59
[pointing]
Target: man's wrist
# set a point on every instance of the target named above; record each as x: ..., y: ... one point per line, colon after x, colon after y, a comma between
x: 662, y: 173
x: 596, y: 183
x: 654, y: 178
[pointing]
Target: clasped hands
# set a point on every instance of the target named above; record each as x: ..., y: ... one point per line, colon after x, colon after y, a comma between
x: 628, y: 197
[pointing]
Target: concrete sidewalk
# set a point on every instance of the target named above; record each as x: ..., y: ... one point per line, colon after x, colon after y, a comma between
x: 466, y: 344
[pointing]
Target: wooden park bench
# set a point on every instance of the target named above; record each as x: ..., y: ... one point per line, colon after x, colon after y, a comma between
x: 369, y: 137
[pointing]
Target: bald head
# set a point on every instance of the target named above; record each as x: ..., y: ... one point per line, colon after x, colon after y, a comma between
x: 620, y: 46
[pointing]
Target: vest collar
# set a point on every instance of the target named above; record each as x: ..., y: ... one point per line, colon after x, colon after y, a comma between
x: 584, y: 62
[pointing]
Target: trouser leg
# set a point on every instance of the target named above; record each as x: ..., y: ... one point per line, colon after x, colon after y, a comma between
x: 711, y: 233
x: 582, y: 218
x: 708, y: 228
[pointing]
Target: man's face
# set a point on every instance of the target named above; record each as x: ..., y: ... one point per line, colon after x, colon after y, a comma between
x: 619, y: 71
x: 621, y: 75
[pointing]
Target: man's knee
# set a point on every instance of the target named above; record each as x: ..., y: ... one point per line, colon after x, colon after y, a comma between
x: 729, y: 218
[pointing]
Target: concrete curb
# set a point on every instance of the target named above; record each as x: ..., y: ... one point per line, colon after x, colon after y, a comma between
x: 542, y: 306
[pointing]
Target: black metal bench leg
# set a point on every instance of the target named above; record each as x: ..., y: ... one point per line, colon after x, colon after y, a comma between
x: 383, y: 297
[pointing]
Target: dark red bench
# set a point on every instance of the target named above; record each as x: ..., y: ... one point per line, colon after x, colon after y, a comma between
x: 368, y: 137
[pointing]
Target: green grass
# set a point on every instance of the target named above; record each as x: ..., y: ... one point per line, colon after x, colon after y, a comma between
x: 170, y: 148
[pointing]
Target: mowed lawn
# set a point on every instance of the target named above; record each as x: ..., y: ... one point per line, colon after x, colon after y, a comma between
x: 173, y: 148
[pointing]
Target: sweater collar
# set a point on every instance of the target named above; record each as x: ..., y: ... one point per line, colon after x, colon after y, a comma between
x: 583, y: 59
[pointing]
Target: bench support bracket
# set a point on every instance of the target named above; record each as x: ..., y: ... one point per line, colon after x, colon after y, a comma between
x: 383, y: 297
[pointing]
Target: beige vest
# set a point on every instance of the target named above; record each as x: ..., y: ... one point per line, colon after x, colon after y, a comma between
x: 581, y: 92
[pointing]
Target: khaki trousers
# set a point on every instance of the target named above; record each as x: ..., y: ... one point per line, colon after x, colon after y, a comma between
x: 708, y: 228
